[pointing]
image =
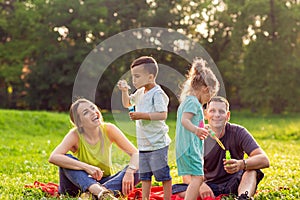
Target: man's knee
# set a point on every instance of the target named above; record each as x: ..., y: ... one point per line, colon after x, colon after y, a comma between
x: 249, y: 175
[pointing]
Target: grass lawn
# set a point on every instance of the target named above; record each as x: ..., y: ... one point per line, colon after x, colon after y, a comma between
x: 28, y: 137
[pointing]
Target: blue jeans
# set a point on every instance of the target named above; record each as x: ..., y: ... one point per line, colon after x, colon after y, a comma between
x: 73, y: 182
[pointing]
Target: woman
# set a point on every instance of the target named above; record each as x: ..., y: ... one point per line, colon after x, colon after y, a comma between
x: 89, y: 167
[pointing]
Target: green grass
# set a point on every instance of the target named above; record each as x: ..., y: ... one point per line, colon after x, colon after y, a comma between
x: 27, y: 138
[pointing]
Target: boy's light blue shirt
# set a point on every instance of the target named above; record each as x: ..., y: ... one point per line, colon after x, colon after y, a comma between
x: 151, y: 134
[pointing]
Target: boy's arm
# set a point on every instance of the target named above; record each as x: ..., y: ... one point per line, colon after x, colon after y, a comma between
x: 125, y: 99
x: 122, y: 85
x: 148, y: 116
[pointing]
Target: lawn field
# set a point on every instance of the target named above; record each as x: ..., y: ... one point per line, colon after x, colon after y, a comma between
x: 28, y: 137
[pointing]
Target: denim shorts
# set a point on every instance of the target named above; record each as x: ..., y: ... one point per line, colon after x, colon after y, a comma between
x: 154, y: 163
x: 229, y: 187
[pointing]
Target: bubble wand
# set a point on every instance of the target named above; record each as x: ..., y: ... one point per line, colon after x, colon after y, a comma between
x: 213, y: 135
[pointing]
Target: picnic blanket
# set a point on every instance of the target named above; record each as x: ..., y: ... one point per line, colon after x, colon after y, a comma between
x: 51, y: 189
x: 157, y: 193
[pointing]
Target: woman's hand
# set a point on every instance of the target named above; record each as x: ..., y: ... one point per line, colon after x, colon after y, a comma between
x: 95, y: 172
x: 205, y: 191
x: 128, y: 182
x: 232, y: 166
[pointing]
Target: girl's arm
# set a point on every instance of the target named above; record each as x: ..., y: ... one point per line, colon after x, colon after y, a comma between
x: 70, y: 143
x: 187, y: 123
x: 202, y: 133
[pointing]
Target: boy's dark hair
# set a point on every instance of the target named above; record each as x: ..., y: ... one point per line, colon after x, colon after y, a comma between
x: 150, y: 64
x: 219, y: 99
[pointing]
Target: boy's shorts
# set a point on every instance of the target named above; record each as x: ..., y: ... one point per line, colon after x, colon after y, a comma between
x: 154, y: 163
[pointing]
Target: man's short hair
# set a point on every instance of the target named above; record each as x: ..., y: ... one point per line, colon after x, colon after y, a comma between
x: 150, y: 64
x: 219, y: 99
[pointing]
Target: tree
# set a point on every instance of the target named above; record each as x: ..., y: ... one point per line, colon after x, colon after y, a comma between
x: 253, y: 43
x: 272, y: 59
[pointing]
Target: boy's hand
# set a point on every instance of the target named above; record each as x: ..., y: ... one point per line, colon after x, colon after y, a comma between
x: 123, y: 86
x: 135, y: 115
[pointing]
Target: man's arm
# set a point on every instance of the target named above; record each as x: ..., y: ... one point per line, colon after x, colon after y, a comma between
x: 256, y: 160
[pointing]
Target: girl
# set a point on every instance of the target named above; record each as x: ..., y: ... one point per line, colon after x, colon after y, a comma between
x: 89, y: 167
x: 200, y: 86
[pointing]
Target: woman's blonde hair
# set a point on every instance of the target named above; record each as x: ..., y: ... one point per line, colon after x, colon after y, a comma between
x: 199, y: 75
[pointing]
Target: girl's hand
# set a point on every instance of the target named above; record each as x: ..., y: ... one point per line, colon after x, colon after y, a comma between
x: 95, y: 172
x: 202, y: 133
x: 128, y: 182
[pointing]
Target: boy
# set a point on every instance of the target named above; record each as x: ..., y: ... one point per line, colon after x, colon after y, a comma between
x: 151, y: 104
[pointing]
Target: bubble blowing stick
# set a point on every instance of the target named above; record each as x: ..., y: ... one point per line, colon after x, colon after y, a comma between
x: 213, y: 135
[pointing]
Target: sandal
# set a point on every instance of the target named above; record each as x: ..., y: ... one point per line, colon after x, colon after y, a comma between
x: 106, y: 195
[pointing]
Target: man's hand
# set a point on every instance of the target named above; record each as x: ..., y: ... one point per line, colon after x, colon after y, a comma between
x: 205, y: 191
x: 232, y: 166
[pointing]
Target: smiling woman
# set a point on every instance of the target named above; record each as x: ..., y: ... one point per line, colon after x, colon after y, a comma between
x: 89, y: 167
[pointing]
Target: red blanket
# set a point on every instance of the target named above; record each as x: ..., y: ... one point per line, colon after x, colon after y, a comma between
x: 49, y: 188
x: 158, y: 194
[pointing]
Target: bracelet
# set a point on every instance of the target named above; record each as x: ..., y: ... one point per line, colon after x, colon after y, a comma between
x: 245, y: 164
x: 132, y: 167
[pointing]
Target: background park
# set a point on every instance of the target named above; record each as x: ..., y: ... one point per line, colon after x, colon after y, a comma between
x: 44, y: 45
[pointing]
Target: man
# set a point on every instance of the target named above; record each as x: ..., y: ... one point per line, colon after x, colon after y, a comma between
x: 239, y: 175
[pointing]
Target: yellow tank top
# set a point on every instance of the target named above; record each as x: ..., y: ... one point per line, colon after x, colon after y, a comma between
x: 98, y: 155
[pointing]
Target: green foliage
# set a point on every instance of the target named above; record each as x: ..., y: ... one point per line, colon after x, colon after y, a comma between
x: 28, y: 138
x: 267, y: 66
x: 43, y: 44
